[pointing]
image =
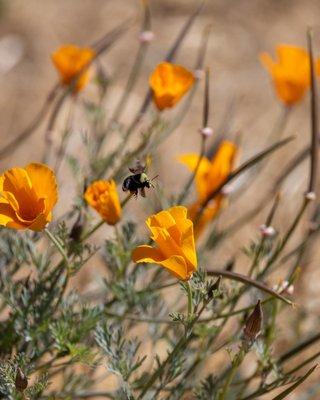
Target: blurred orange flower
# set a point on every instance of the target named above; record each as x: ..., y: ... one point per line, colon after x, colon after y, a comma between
x: 27, y: 197
x: 71, y: 61
x: 210, y: 175
x: 173, y: 233
x: 290, y: 72
x: 169, y: 83
x: 104, y: 198
x: 207, y: 215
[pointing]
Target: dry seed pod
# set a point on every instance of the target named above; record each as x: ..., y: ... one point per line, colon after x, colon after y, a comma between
x: 21, y: 381
x: 253, y: 324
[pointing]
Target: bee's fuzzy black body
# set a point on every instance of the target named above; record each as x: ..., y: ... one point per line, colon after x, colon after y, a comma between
x: 135, y: 183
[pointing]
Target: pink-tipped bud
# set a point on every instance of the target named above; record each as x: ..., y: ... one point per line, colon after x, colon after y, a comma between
x: 310, y: 196
x: 199, y: 74
x: 146, y: 36
x: 206, y: 131
x: 267, y: 231
x: 284, y: 287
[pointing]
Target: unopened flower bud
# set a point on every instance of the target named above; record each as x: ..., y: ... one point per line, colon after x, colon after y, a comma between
x: 253, y: 324
x: 206, y: 131
x: 284, y: 287
x: 146, y: 36
x: 267, y: 231
x: 310, y: 196
x: 21, y: 381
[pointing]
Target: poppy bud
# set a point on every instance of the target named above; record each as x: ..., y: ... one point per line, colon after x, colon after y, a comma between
x: 21, y: 381
x: 253, y: 324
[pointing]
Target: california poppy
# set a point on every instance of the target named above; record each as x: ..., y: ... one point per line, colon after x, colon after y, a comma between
x: 103, y: 197
x: 27, y: 197
x: 71, y: 62
x: 210, y: 175
x: 290, y: 72
x: 173, y: 233
x: 169, y: 83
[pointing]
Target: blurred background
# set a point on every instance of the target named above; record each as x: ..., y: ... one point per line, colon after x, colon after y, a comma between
x: 242, y: 98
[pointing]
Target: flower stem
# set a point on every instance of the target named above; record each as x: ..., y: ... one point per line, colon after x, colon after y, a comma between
x: 58, y: 245
x: 102, y: 222
x: 190, y: 303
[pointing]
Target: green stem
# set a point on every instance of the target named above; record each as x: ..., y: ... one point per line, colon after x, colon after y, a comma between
x: 235, y: 365
x: 58, y: 245
x: 190, y: 303
x: 102, y: 222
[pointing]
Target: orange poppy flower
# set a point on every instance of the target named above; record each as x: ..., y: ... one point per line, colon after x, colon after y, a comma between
x: 103, y: 197
x: 27, y: 197
x: 71, y: 61
x: 211, y: 174
x: 173, y: 233
x: 169, y: 83
x: 290, y: 72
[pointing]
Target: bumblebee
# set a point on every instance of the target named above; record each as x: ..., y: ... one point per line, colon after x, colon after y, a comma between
x: 138, y: 181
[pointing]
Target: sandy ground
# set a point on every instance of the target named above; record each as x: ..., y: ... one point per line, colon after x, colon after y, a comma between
x: 240, y: 31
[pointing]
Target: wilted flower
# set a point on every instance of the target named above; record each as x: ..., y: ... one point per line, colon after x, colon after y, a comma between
x: 290, y: 72
x: 103, y: 197
x: 71, y: 62
x: 169, y: 83
x: 210, y: 175
x: 27, y: 197
x: 173, y: 233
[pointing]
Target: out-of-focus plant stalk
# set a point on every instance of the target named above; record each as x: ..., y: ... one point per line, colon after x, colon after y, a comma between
x: 261, y: 244
x: 132, y: 79
x: 248, y: 164
x: 66, y: 134
x: 58, y: 245
x: 275, y: 134
x: 205, y: 119
x: 100, y: 46
x: 148, y: 97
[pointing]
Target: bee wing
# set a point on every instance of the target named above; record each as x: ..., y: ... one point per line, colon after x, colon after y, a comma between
x: 138, y: 169
x: 148, y: 161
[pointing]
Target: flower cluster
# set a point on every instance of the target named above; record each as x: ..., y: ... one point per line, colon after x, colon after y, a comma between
x: 44, y: 319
